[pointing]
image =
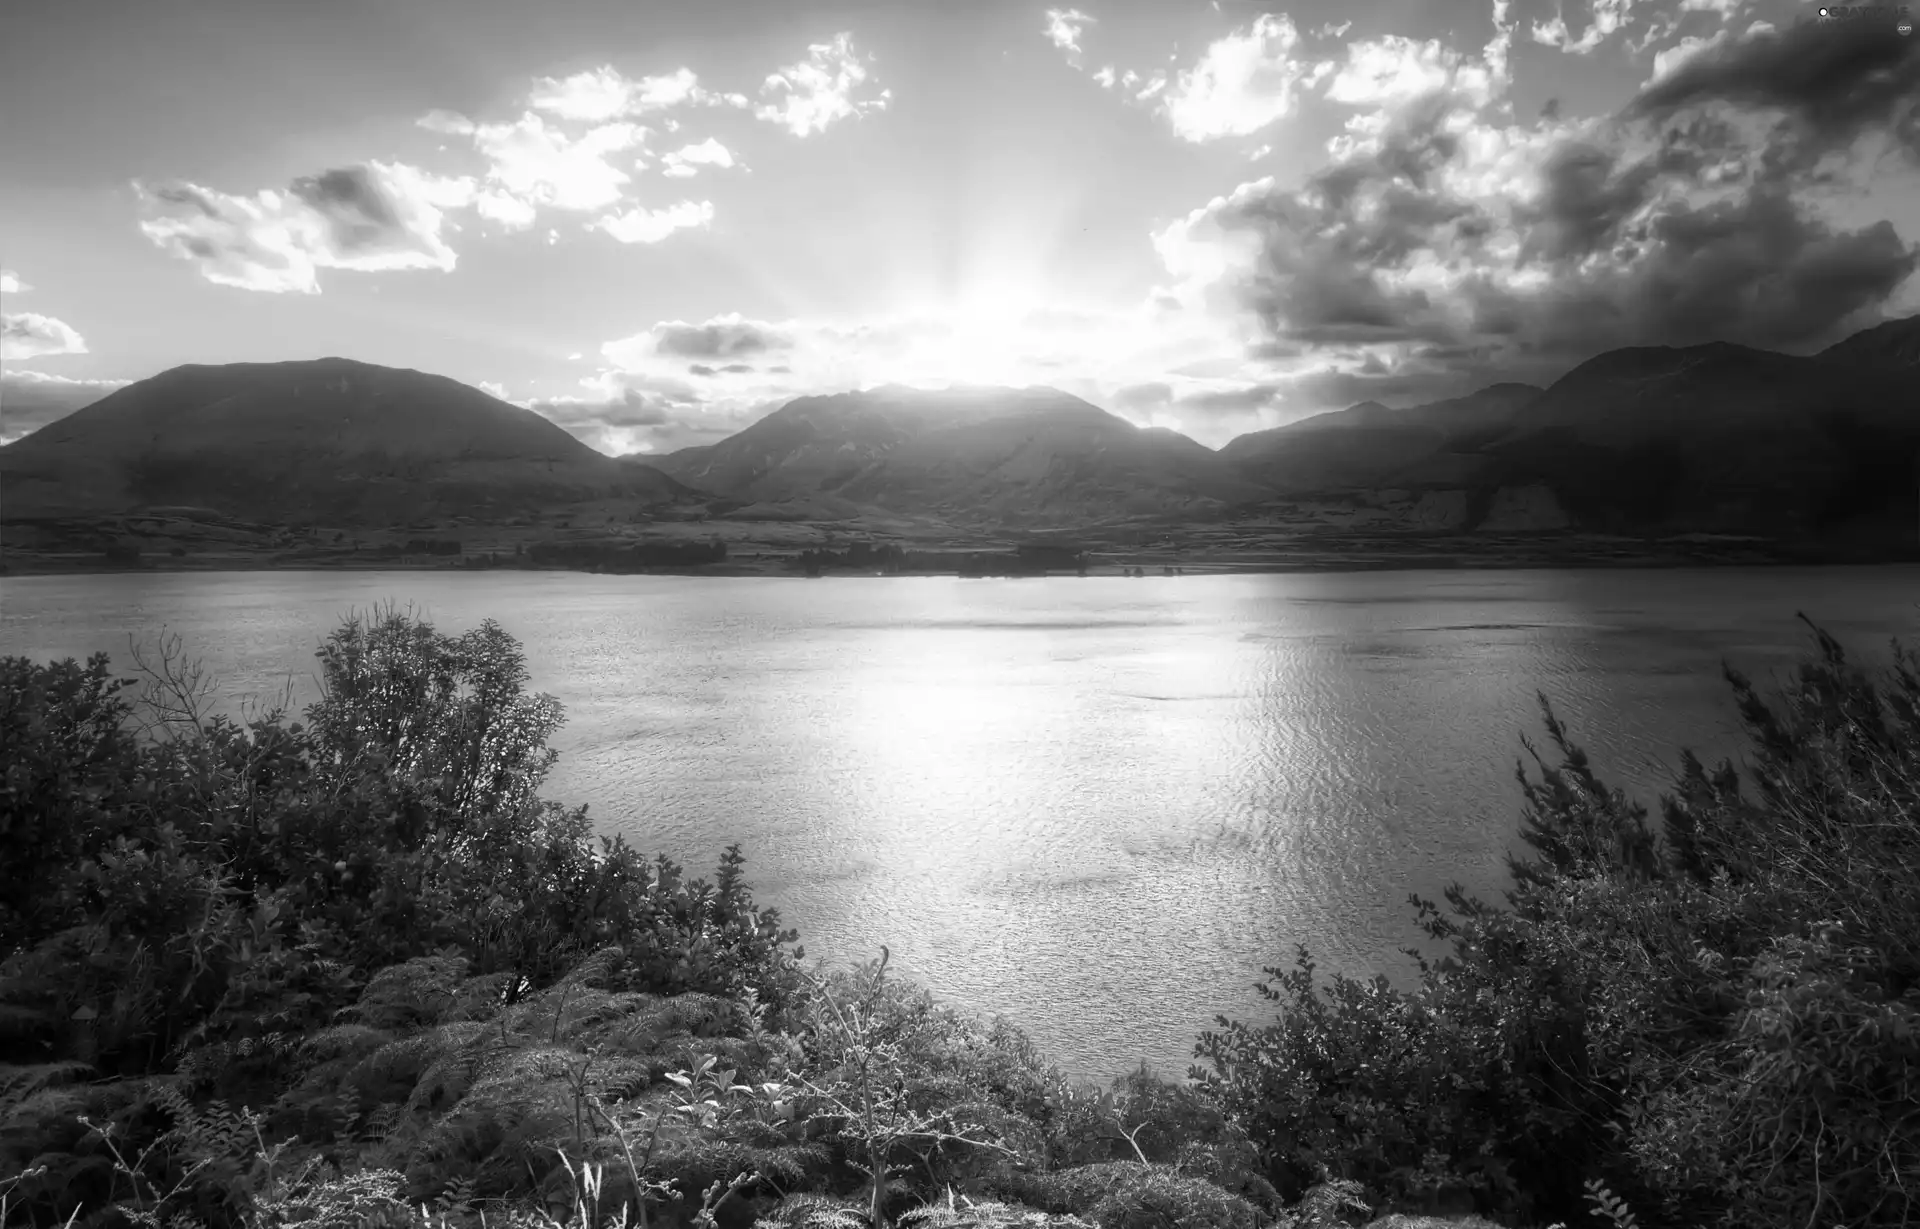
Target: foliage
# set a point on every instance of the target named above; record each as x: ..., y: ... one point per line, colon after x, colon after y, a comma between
x: 1716, y: 1023
x: 349, y: 926
x: 354, y: 970
x: 625, y: 554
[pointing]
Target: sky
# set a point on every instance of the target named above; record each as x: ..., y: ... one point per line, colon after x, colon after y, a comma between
x: 654, y: 221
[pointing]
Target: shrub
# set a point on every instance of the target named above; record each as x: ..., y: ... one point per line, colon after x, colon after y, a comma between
x: 186, y: 914
x: 1718, y: 1021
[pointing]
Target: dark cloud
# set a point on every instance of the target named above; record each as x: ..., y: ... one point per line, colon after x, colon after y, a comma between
x: 188, y: 195
x: 657, y: 419
x: 722, y: 337
x: 702, y: 369
x: 1834, y: 80
x: 360, y: 216
x: 1669, y: 225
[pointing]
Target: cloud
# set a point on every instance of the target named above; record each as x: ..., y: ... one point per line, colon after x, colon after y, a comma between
x: 532, y: 164
x: 809, y: 96
x: 29, y: 335
x: 731, y: 336
x: 651, y: 226
x: 10, y: 283
x: 564, y: 151
x: 1241, y: 84
x: 368, y: 218
x: 686, y: 161
x: 626, y: 413
x: 1826, y: 82
x: 29, y: 400
x: 1605, y: 18
x: 1444, y: 245
x: 1063, y: 31
x: 1394, y: 71
x: 601, y: 94
x: 1152, y: 393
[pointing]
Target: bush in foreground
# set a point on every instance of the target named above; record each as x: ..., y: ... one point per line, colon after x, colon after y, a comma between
x: 354, y: 971
x: 341, y: 970
x: 1720, y: 1027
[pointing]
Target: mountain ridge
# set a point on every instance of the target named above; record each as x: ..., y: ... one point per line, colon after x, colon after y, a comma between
x: 1714, y: 438
x: 967, y: 455
x: 315, y: 439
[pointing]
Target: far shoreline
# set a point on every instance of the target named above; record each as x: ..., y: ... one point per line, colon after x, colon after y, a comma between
x: 1149, y: 567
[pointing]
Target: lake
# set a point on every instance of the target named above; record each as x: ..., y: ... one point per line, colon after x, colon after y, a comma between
x: 1099, y: 805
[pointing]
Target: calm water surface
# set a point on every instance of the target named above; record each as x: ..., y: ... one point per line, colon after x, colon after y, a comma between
x: 1098, y: 805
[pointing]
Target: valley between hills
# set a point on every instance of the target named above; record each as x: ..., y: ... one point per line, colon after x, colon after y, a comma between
x: 1655, y: 456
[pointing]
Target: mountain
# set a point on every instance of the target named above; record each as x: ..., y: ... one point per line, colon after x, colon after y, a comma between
x: 1369, y: 445
x: 1895, y: 345
x: 979, y: 455
x: 328, y: 440
x: 1722, y: 438
x: 1714, y: 438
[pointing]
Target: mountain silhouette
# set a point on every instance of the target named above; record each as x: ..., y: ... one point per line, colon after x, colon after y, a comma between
x: 1715, y: 438
x: 970, y: 455
x: 329, y: 440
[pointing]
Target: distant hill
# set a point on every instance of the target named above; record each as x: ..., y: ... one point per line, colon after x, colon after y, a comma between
x: 1893, y: 345
x: 1715, y: 438
x: 981, y: 455
x: 1370, y: 445
x: 328, y: 440
x: 1722, y: 438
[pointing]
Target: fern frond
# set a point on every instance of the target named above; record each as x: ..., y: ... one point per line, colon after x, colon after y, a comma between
x: 343, y: 1040
x: 18, y: 1081
x: 813, y: 1211
x: 595, y: 970
x: 964, y: 1213
x: 420, y: 991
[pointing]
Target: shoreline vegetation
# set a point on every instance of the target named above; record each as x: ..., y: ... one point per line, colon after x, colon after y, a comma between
x: 351, y: 969
x: 189, y: 540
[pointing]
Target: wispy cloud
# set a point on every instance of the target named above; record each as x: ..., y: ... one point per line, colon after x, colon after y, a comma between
x: 685, y: 162
x: 10, y: 283
x: 1063, y: 30
x: 601, y: 94
x: 830, y: 85
x: 653, y: 225
x: 29, y: 400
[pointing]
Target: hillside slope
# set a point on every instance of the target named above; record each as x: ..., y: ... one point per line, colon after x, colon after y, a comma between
x: 985, y: 455
x: 1656, y: 440
x: 328, y: 440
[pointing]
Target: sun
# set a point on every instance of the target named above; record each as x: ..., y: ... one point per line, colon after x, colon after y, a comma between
x: 981, y: 336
